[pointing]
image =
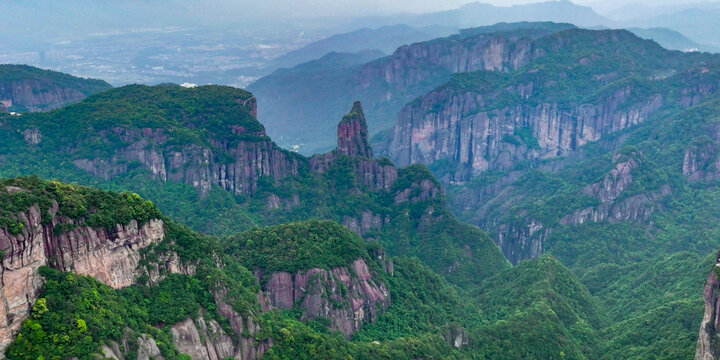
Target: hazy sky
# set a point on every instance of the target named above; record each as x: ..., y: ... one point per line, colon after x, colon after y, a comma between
x: 367, y: 7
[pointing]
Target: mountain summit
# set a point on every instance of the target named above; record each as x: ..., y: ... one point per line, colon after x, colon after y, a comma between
x: 352, y: 133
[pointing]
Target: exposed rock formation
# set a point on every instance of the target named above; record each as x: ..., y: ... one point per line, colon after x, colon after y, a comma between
x: 147, y: 348
x: 413, y: 64
x: 352, y: 140
x: 201, y: 167
x: 463, y: 127
x: 353, y: 133
x: 708, y: 346
x: 348, y: 297
x: 456, y: 336
x: 702, y: 158
x: 24, y: 88
x: 109, y: 256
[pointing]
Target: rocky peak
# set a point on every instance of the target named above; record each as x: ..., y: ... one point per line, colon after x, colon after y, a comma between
x: 708, y: 345
x: 352, y: 133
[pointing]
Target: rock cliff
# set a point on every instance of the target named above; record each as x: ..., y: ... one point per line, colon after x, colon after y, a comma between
x: 506, y: 128
x: 384, y: 85
x: 708, y: 346
x: 25, y: 88
x: 203, y: 137
x: 347, y: 296
x: 465, y: 128
x: 234, y: 167
x: 353, y: 133
x: 110, y: 256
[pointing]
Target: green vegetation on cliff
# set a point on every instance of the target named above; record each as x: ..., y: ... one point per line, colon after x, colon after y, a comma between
x: 298, y: 246
x: 96, y: 208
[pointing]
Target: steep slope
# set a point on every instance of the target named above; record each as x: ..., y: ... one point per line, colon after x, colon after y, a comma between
x: 123, y: 242
x: 708, y: 344
x: 613, y: 200
x: 384, y: 85
x: 158, y: 290
x: 202, y: 137
x: 26, y: 88
x: 544, y: 293
x: 586, y: 85
x: 202, y: 155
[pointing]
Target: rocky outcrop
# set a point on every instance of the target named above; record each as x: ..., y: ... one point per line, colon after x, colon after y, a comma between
x: 708, y: 346
x: 347, y: 296
x: 147, y: 348
x: 521, y: 241
x: 413, y: 64
x: 36, y: 95
x: 456, y: 336
x: 111, y: 256
x: 367, y: 222
x: 352, y: 140
x: 702, y: 158
x: 233, y: 166
x: 468, y: 130
x: 25, y: 88
x: 204, y: 339
x: 353, y: 133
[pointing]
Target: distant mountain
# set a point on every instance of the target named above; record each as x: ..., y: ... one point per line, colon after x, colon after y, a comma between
x: 26, y: 88
x: 700, y: 25
x: 671, y: 39
x: 637, y: 11
x: 332, y: 61
x: 483, y: 14
x: 292, y: 101
x: 477, y: 14
x: 385, y: 39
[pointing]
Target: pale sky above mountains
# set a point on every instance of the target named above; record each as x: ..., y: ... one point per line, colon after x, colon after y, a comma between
x: 371, y: 7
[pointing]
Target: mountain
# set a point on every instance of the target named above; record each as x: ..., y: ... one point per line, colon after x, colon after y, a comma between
x: 203, y: 157
x: 339, y: 254
x: 482, y: 14
x: 90, y: 273
x: 565, y: 94
x: 697, y: 23
x: 479, y: 14
x: 385, y: 39
x: 384, y: 85
x: 502, y: 131
x: 671, y: 39
x: 106, y: 274
x: 25, y: 88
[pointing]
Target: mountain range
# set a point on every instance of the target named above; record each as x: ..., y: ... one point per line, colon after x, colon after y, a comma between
x: 546, y: 192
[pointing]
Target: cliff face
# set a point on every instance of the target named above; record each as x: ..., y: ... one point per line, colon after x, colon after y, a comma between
x: 109, y: 256
x: 24, y: 88
x: 558, y: 100
x: 235, y: 167
x: 36, y: 95
x: 505, y: 129
x: 413, y: 64
x: 204, y: 137
x: 348, y: 296
x: 708, y: 346
x: 384, y: 85
x: 353, y: 133
x: 457, y: 126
